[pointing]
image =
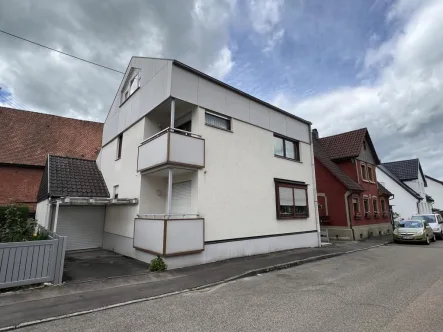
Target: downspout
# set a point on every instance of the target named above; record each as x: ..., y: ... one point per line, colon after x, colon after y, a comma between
x: 314, y: 189
x: 348, y: 213
x: 54, y: 229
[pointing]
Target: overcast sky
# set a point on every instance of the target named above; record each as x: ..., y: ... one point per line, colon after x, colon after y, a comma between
x: 342, y: 64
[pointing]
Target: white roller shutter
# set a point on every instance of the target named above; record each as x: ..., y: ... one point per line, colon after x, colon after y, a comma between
x: 83, y: 225
x: 181, y: 198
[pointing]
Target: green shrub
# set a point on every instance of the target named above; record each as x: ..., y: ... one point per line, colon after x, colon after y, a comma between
x: 16, y: 227
x: 157, y: 264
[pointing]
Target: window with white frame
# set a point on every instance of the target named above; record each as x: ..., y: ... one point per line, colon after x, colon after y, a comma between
x: 356, y: 205
x: 366, y: 205
x: 364, y: 174
x: 383, y: 205
x: 130, y: 87
x: 370, y: 173
x: 375, y: 205
x: 217, y: 121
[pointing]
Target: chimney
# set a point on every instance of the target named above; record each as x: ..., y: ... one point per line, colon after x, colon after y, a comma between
x: 315, y: 133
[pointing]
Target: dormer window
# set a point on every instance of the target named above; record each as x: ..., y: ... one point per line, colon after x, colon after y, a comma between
x: 131, y: 85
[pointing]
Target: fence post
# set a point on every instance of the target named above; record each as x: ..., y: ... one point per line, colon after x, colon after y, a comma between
x: 60, y: 260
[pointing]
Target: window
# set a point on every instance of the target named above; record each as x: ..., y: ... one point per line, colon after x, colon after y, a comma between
x: 364, y: 174
x: 366, y: 205
x: 292, y: 200
x: 115, y: 191
x: 375, y: 205
x: 130, y: 88
x: 356, y: 205
x: 217, y: 121
x: 286, y: 148
x: 370, y: 174
x: 119, y: 146
x: 383, y: 206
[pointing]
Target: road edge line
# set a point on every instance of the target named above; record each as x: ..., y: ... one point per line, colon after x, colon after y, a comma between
x: 230, y: 279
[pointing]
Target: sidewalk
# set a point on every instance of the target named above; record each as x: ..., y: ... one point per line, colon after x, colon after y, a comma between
x: 48, y: 302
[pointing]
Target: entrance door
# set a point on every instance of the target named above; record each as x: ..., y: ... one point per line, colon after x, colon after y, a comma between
x: 181, y: 198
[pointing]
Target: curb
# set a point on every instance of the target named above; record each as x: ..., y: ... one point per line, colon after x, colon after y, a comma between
x: 230, y: 279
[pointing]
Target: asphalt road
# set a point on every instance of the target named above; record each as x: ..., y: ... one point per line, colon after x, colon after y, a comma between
x: 390, y: 288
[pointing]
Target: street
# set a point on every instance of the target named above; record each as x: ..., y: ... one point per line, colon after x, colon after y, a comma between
x: 389, y: 288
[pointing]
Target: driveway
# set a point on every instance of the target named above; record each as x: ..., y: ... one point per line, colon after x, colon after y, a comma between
x: 386, y: 289
x: 98, y: 264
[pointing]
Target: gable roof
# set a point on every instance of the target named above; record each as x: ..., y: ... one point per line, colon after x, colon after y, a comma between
x: 26, y: 138
x: 383, y: 191
x: 348, y: 144
x: 321, y: 155
x: 400, y: 183
x: 405, y: 170
x: 433, y: 179
x: 71, y: 177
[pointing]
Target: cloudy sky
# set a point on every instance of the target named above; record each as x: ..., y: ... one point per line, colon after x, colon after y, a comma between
x: 342, y: 64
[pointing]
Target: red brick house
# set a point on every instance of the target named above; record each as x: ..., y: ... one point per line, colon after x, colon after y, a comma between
x: 351, y: 203
x: 26, y: 139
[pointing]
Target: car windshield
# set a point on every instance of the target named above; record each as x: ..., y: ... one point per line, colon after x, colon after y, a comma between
x: 410, y: 224
x: 429, y: 219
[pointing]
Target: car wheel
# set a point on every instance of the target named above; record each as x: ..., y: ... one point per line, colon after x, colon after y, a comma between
x: 434, y: 238
x: 427, y: 241
x: 441, y: 235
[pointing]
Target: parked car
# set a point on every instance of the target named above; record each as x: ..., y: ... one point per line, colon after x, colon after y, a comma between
x: 414, y: 231
x: 434, y: 220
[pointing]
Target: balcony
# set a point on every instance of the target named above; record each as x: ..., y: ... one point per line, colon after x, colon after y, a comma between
x: 171, y: 148
x: 169, y: 235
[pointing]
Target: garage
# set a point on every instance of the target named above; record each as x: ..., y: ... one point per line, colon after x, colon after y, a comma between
x: 82, y: 225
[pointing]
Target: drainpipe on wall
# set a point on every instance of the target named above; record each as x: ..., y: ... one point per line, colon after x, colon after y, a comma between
x: 348, y: 213
x: 314, y: 189
x: 54, y: 229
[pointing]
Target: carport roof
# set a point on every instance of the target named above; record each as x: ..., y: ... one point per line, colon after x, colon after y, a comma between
x: 71, y: 177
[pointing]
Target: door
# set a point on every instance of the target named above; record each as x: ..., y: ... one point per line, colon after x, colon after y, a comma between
x: 83, y: 226
x: 181, y: 198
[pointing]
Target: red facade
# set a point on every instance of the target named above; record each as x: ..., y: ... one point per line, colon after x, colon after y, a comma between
x: 349, y: 196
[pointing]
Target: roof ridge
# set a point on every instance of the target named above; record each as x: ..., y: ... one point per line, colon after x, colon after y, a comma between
x: 346, y: 132
x: 67, y: 157
x: 47, y: 114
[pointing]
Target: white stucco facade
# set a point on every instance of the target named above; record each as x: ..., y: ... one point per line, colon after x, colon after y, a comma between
x: 403, y: 202
x: 435, y: 190
x: 418, y: 185
x: 235, y: 190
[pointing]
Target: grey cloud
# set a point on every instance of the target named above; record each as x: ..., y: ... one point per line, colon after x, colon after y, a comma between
x: 106, y: 32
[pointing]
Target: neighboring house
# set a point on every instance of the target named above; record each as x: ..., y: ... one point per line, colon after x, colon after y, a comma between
x: 351, y: 203
x: 410, y: 173
x: 218, y: 173
x: 435, y: 190
x: 26, y: 139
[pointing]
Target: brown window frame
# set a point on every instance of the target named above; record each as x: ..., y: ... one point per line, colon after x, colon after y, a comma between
x: 296, y: 148
x: 283, y: 184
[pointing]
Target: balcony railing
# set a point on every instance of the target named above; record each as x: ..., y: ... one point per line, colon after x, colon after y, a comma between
x: 174, y: 147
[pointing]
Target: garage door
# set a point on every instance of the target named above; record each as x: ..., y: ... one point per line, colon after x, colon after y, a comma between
x: 181, y: 198
x: 83, y: 225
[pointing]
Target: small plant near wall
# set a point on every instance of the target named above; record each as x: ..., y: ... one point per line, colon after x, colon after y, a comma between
x: 157, y: 264
x: 15, y: 226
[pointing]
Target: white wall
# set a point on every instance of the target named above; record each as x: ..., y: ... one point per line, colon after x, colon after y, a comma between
x: 123, y: 172
x: 419, y: 186
x: 199, y: 91
x: 435, y: 189
x: 42, y: 213
x: 236, y: 191
x: 403, y: 203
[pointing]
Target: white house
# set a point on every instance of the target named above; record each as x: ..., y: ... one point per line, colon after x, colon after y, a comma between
x: 435, y: 190
x: 217, y: 173
x: 405, y: 179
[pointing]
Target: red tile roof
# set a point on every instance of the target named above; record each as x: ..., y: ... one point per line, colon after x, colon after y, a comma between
x: 347, y: 145
x: 27, y: 137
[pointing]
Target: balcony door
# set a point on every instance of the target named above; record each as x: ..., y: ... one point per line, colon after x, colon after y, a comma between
x: 181, y: 198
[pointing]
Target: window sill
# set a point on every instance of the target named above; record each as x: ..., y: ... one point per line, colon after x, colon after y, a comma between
x: 294, y: 160
x: 229, y: 131
x: 292, y: 217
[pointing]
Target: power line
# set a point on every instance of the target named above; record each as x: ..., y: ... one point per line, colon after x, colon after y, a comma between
x: 52, y: 49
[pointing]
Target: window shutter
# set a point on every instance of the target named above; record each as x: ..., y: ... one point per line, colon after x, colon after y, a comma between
x: 300, y: 197
x: 286, y: 196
